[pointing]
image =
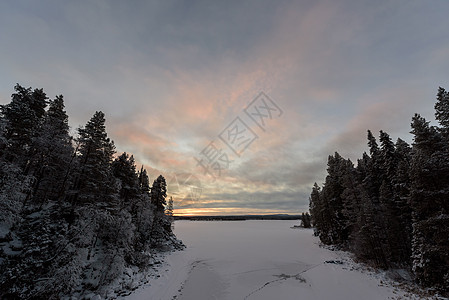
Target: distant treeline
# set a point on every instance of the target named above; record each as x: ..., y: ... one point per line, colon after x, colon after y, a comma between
x: 392, y: 208
x: 74, y: 217
x: 238, y: 218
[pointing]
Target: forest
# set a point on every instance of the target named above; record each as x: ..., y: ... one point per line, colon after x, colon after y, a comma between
x: 391, y: 209
x: 75, y: 216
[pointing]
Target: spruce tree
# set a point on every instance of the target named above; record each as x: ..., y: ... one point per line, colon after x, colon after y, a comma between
x: 305, y: 220
x: 82, y: 244
x: 395, y: 216
x: 94, y: 179
x: 124, y: 169
x: 395, y: 202
x: 169, y: 208
x: 373, y: 232
x: 143, y: 215
x: 23, y: 116
x: 352, y: 199
x: 158, y: 194
x: 144, y: 181
x: 442, y: 110
x: 429, y: 199
x: 335, y: 229
x: 316, y: 209
x: 161, y: 227
x: 53, y: 151
x: 363, y: 238
x: 401, y: 186
x: 169, y: 212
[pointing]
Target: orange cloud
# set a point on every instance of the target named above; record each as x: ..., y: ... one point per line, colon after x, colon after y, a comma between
x: 226, y: 211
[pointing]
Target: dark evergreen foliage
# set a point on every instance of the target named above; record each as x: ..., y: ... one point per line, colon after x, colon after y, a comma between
x: 159, y: 193
x: 442, y: 110
x: 169, y: 211
x: 124, y: 169
x: 392, y: 210
x: 161, y: 223
x: 305, y: 220
x: 72, y: 218
x: 94, y: 182
x: 430, y: 203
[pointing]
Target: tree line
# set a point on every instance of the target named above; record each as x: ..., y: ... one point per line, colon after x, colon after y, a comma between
x: 74, y: 215
x: 392, y: 208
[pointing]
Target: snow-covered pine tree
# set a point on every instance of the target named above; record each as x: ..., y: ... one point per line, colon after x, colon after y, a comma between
x: 429, y: 199
x: 143, y: 216
x: 169, y: 209
x: 20, y: 122
x: 23, y: 116
x: 352, y: 199
x: 315, y: 207
x: 124, y: 169
x: 442, y: 111
x: 144, y: 181
x: 53, y: 150
x: 396, y: 230
x: 161, y: 225
x: 328, y: 213
x: 94, y: 182
x: 159, y: 193
x: 333, y: 191
x: 107, y: 223
x: 376, y: 223
x: 396, y: 201
x: 305, y: 220
x: 401, y: 191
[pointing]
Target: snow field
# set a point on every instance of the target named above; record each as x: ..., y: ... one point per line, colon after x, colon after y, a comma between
x: 258, y: 260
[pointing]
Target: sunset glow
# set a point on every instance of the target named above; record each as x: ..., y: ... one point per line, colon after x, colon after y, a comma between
x: 171, y: 77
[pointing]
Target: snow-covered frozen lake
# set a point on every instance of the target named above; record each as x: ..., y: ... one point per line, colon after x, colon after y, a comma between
x: 258, y: 260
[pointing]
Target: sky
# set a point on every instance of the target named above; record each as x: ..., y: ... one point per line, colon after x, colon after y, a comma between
x: 238, y: 104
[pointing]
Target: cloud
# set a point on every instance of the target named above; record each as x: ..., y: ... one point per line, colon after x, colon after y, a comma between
x: 170, y: 76
x: 287, y: 202
x: 384, y: 111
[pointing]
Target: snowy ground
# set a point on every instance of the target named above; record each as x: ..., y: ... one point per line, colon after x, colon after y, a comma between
x: 260, y: 260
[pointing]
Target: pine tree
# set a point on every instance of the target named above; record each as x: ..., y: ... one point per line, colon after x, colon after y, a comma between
x: 426, y: 138
x: 401, y: 191
x: 21, y: 120
x: 169, y: 212
x: 53, y: 151
x: 373, y: 175
x: 3, y: 140
x: 23, y: 116
x: 144, y: 181
x: 363, y: 239
x: 395, y: 203
x: 124, y: 169
x: 388, y: 158
x: 94, y: 179
x: 316, y: 209
x: 158, y: 194
x: 305, y: 220
x: 161, y: 227
x: 169, y: 208
x: 372, y: 144
x: 352, y: 199
x: 337, y: 174
x: 330, y: 220
x: 108, y: 222
x: 429, y: 199
x: 395, y: 218
x: 442, y: 110
x: 143, y: 215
